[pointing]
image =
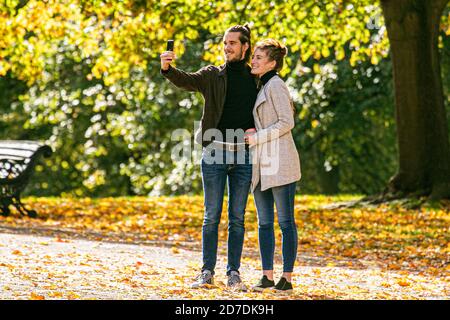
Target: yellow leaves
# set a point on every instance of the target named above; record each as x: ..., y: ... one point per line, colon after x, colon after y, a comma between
x: 325, y: 52
x: 97, y: 178
x: 374, y: 60
x: 316, y: 68
x: 354, y: 44
x: 120, y: 40
x: 317, y: 271
x: 210, y: 286
x: 150, y: 273
x: 56, y: 295
x: 142, y: 276
x: 434, y: 271
x: 17, y: 252
x: 317, y: 55
x: 354, y: 58
x: 393, y: 239
x: 34, y: 296
x: 352, y: 252
x: 73, y: 296
x: 340, y: 53
x: 100, y: 68
x: 403, y: 282
x: 175, y: 250
x: 213, y: 52
x: 357, y: 213
x: 316, y: 10
x: 4, y: 67
x: 50, y: 22
x: 176, y: 291
x: 7, y: 265
x: 126, y: 280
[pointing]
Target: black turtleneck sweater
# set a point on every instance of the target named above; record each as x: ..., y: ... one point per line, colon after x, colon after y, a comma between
x: 267, y: 76
x: 240, y: 98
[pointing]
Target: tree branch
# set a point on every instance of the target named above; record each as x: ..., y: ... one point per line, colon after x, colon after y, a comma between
x: 20, y: 5
x: 242, y: 13
x: 441, y: 4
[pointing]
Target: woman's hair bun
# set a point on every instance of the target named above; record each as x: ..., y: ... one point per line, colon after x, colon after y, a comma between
x: 275, y: 51
x: 283, y: 50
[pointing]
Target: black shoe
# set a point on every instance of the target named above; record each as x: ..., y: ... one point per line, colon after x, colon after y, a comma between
x: 283, y: 285
x: 264, y: 283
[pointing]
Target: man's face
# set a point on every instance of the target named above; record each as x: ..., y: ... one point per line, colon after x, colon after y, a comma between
x: 233, y: 49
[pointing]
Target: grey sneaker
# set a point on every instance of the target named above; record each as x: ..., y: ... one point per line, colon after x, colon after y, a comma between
x: 203, y: 280
x: 235, y: 282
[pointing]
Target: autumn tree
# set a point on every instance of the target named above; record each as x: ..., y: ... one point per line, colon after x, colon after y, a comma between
x: 114, y: 46
x: 413, y: 29
x: 424, y: 154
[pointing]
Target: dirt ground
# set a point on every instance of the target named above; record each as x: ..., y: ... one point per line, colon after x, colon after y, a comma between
x: 39, y: 267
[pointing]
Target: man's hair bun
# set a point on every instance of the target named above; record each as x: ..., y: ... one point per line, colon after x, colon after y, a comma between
x: 247, y: 26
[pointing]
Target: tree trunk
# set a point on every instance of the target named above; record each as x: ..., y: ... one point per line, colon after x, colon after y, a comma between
x: 422, y: 132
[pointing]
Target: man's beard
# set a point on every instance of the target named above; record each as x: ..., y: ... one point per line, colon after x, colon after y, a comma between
x: 235, y: 59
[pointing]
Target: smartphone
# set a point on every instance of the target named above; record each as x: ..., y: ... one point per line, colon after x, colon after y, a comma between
x: 169, y: 45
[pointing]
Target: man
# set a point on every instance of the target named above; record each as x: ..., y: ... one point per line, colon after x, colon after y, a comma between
x: 230, y: 92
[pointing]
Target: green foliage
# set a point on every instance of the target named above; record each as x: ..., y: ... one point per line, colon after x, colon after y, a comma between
x: 445, y: 59
x: 84, y: 76
x: 345, y: 127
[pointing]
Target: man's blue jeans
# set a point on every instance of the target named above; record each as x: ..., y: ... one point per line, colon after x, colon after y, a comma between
x: 214, y: 176
x: 283, y: 197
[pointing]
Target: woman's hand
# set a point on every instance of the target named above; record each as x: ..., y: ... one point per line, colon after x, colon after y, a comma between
x: 167, y: 57
x: 249, y: 137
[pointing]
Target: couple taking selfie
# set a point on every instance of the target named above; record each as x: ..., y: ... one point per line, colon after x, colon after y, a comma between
x: 248, y: 145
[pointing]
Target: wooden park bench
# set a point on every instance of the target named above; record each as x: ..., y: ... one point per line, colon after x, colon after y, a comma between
x: 17, y: 161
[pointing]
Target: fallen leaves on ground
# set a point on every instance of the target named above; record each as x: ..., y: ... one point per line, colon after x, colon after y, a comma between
x: 403, y: 246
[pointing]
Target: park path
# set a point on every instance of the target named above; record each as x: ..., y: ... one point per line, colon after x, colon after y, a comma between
x: 35, y: 267
x: 39, y: 267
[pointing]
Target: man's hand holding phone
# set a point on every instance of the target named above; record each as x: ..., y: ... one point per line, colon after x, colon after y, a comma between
x: 168, y: 56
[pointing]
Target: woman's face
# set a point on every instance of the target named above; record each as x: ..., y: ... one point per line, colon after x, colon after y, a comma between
x: 261, y: 63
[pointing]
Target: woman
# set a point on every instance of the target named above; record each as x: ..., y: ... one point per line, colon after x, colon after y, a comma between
x: 276, y: 164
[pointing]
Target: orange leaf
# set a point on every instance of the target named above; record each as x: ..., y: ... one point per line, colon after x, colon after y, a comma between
x: 403, y: 282
x: 35, y: 296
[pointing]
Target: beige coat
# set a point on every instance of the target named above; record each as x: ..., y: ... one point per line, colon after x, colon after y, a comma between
x: 275, y: 158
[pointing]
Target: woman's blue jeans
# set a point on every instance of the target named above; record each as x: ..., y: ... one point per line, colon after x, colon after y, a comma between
x: 283, y: 197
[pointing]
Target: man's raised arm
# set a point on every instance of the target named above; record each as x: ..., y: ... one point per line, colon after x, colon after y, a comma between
x: 191, y: 81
